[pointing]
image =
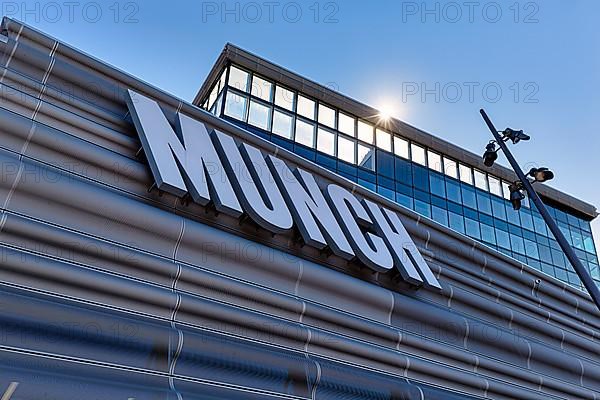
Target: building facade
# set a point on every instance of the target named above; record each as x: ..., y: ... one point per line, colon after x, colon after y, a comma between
x: 132, y: 269
x: 432, y: 177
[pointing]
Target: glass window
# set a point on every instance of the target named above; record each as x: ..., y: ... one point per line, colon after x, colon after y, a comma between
x: 498, y: 208
x: 346, y: 149
x: 306, y: 107
x: 366, y: 156
x: 495, y: 187
x: 440, y: 215
x: 213, y: 95
x: 284, y: 98
x: 282, y: 124
x: 437, y: 184
x: 588, y: 243
x: 403, y: 171
x: 434, y: 161
x: 326, y: 141
x: 305, y: 133
x: 503, y: 238
x: 418, y: 154
x: 466, y: 174
x: 518, y: 246
x: 422, y: 208
x: 511, y: 215
x: 457, y: 222
x: 487, y: 234
x: 483, y: 203
x: 468, y: 196
x: 262, y: 88
x: 235, y: 106
x: 259, y: 115
x: 346, y: 124
x: 450, y: 168
x: 506, y: 190
x: 531, y: 249
x: 577, y: 239
x: 238, y: 79
x: 526, y: 219
x: 384, y: 140
x: 401, y: 147
x: 365, y: 132
x: 420, y: 178
x: 453, y: 191
x: 326, y: 115
x: 539, y: 225
x: 480, y: 181
x: 472, y: 228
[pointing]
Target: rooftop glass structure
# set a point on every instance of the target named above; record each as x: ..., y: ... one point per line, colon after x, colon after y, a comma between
x: 424, y: 173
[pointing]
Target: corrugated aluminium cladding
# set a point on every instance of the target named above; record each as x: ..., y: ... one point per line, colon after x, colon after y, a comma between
x: 110, y: 291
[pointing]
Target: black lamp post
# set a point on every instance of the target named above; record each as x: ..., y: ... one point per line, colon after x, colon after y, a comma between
x: 539, y: 175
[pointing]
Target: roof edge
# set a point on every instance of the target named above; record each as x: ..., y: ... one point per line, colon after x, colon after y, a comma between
x: 244, y: 58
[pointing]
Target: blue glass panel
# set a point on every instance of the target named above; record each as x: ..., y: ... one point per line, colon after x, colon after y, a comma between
x: 547, y: 268
x: 420, y: 178
x: 501, y: 224
x: 423, y: 208
x: 347, y: 168
x: 468, y: 196
x: 385, y: 164
x: 347, y: 176
x: 367, y: 175
x: 305, y: 152
x: 367, y: 184
x: 286, y: 144
x: 405, y: 200
x: 484, y: 204
x: 503, y: 238
x: 422, y: 196
x: 471, y: 213
x: 539, y: 225
x: 407, y: 190
x: 558, y: 258
x: 486, y: 219
x: 561, y: 216
x: 385, y: 192
x: 437, y: 201
x: 560, y: 274
x: 498, y: 208
x: 326, y: 161
x: 386, y: 182
x: 437, y: 184
x: 453, y: 190
x: 545, y: 253
x: 542, y: 240
x: 515, y: 230
x: 440, y: 215
x: 455, y: 208
x: 528, y: 235
x: 456, y: 222
x: 526, y: 219
x: 472, y: 228
x: 512, y: 215
x: 517, y: 244
x: 403, y: 171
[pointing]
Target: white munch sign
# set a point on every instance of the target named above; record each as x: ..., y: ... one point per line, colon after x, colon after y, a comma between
x: 237, y: 178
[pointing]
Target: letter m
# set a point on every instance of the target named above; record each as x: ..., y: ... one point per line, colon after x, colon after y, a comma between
x: 183, y: 160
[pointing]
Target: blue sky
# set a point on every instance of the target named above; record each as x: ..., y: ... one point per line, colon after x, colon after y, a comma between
x: 531, y: 65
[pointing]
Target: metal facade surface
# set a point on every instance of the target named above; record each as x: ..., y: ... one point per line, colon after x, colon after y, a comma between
x: 110, y: 291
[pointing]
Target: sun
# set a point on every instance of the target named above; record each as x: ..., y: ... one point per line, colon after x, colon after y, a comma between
x: 387, y: 109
